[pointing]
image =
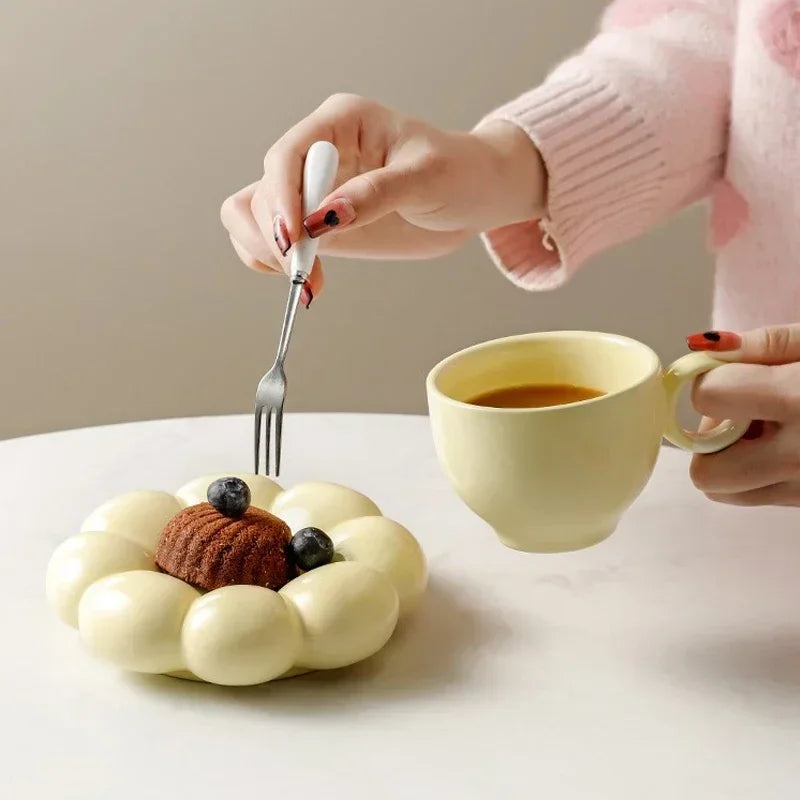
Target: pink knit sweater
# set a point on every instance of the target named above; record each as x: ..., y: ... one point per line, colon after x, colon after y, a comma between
x: 672, y: 102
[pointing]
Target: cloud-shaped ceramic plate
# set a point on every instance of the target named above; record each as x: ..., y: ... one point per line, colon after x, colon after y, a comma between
x: 104, y: 582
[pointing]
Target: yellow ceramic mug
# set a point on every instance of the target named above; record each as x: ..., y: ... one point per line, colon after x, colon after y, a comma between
x: 559, y: 478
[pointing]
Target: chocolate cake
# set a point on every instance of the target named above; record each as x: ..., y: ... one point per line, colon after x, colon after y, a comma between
x: 209, y: 549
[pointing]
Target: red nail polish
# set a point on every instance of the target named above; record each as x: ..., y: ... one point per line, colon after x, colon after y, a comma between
x: 281, y: 233
x: 755, y: 431
x: 714, y: 341
x: 336, y: 214
x: 306, y: 295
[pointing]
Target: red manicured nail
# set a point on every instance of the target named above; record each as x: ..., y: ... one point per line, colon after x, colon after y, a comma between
x: 306, y: 295
x: 756, y: 430
x: 281, y: 233
x: 715, y: 341
x: 336, y: 214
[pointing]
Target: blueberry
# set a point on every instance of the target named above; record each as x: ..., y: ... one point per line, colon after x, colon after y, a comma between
x: 230, y: 496
x: 311, y: 548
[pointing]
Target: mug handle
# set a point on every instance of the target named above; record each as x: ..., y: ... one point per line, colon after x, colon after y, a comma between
x: 677, y: 375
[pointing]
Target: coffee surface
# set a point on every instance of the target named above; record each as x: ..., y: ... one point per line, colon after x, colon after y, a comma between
x: 534, y: 395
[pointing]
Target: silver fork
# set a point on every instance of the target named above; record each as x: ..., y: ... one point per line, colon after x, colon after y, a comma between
x: 319, y: 172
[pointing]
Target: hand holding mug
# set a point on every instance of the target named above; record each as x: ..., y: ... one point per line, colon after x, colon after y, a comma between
x: 761, y: 383
x: 556, y: 478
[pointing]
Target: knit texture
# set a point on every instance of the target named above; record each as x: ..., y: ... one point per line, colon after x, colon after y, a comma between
x: 672, y: 102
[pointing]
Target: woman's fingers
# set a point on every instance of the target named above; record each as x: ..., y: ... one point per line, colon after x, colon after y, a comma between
x: 315, y: 282
x: 776, y: 344
x: 363, y: 199
x: 237, y: 217
x: 276, y: 237
x: 761, y: 384
x: 249, y: 244
x: 748, y: 391
x: 749, y: 464
x: 778, y: 494
x: 313, y: 286
x: 345, y: 120
x: 278, y: 207
x: 249, y: 261
x: 391, y: 237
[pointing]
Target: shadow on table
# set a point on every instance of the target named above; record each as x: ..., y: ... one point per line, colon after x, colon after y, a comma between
x: 430, y: 653
x: 768, y: 663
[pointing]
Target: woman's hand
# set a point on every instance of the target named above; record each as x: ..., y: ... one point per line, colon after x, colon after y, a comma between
x: 404, y: 188
x: 764, y: 385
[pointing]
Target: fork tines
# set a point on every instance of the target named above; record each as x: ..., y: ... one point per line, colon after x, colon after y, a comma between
x: 272, y: 455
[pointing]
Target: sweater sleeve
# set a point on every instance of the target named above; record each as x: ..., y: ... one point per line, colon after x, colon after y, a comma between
x: 631, y: 129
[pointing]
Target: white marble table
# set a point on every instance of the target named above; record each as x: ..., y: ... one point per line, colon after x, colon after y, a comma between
x: 664, y: 663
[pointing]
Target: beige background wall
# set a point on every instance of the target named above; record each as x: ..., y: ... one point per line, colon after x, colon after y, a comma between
x: 124, y: 125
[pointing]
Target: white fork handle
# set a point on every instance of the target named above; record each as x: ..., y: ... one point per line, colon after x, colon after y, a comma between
x: 319, y: 173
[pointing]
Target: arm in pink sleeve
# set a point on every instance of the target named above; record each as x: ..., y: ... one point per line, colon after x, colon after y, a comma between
x: 630, y: 130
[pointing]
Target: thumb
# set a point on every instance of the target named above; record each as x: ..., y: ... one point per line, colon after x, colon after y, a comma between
x: 361, y: 200
x: 777, y: 344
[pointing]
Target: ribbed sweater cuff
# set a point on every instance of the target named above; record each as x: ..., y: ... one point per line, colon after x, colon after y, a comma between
x: 605, y: 173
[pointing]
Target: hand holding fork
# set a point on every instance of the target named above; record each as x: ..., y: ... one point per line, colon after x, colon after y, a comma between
x: 319, y: 173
